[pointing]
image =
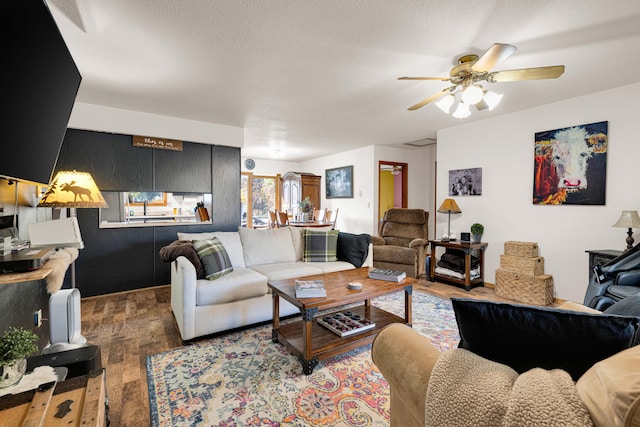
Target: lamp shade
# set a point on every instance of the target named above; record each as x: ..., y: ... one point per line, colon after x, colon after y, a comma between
x: 449, y: 206
x: 628, y: 219
x: 73, y: 190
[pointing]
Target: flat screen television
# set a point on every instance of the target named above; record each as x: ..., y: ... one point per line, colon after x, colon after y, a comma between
x: 39, y: 81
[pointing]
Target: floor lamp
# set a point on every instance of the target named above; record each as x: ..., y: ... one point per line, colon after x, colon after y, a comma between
x: 70, y: 190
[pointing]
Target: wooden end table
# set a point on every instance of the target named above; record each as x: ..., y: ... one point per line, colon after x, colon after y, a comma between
x: 309, y: 340
x: 467, y: 248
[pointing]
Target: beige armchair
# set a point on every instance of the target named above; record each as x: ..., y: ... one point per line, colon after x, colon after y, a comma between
x: 402, y: 241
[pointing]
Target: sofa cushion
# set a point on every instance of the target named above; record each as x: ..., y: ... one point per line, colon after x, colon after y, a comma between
x: 298, y: 239
x: 610, y: 389
x: 288, y: 270
x: 240, y: 284
x: 266, y: 246
x: 320, y: 246
x: 230, y: 240
x: 214, y: 258
x: 525, y: 337
x: 353, y: 248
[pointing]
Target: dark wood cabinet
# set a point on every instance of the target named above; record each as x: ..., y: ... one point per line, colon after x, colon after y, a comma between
x: 121, y: 259
x: 225, y: 195
x: 297, y: 186
x: 183, y: 171
x: 110, y: 158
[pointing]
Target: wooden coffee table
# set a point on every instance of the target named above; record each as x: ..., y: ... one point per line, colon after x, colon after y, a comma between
x: 311, y: 341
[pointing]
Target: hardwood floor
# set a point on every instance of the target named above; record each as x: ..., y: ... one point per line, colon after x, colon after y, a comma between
x: 130, y: 326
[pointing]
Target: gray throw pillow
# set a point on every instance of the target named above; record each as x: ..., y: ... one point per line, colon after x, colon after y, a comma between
x: 214, y: 258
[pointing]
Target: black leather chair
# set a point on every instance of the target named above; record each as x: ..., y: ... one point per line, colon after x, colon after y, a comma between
x: 614, y: 281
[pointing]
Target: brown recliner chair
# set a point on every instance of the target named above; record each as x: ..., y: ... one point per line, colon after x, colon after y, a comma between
x: 402, y: 241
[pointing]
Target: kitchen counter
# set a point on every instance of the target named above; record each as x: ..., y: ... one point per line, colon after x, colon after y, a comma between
x: 154, y: 221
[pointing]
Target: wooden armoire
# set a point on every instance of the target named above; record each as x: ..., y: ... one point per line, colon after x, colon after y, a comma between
x: 297, y: 186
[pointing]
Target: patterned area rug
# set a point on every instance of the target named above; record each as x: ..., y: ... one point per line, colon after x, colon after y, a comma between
x: 243, y: 379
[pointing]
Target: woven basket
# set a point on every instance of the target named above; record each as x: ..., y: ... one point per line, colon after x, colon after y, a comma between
x: 533, y: 266
x: 536, y: 290
x: 523, y: 249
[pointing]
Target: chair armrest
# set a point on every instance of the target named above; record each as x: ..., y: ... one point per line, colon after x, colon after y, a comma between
x: 418, y: 242
x: 405, y: 358
x: 377, y: 241
x: 628, y: 278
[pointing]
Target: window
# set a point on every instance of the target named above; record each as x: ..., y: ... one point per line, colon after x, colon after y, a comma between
x: 258, y: 194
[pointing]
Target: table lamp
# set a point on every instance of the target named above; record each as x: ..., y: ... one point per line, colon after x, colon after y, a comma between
x: 449, y: 206
x: 630, y: 220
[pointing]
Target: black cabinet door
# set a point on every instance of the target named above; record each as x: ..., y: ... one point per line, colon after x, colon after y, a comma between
x: 186, y: 171
x: 110, y: 158
x: 225, y: 194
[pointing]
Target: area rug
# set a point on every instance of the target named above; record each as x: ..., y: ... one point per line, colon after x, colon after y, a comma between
x: 244, y: 379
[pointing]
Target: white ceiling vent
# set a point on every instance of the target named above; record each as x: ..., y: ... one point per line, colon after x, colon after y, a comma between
x: 422, y: 142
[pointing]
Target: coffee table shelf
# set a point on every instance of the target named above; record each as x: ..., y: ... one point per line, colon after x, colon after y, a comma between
x: 311, y: 341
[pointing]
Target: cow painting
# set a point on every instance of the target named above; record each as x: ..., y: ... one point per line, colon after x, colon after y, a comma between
x: 570, y: 165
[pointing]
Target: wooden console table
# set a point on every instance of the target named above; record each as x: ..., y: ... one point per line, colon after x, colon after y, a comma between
x: 467, y: 248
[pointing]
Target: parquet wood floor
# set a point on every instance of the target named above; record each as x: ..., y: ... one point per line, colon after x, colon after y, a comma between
x: 130, y: 326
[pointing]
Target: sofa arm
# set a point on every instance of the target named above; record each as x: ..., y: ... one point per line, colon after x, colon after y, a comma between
x: 183, y: 296
x: 628, y: 278
x: 377, y: 241
x: 405, y: 358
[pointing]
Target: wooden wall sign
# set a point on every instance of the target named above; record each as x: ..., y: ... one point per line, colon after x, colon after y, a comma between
x: 158, y: 143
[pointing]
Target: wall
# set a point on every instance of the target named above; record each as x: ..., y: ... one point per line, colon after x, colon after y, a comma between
x: 503, y: 147
x: 359, y: 215
x: 99, y: 118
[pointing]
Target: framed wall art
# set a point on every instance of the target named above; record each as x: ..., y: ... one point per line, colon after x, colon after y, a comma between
x: 570, y: 165
x: 339, y: 182
x: 465, y: 182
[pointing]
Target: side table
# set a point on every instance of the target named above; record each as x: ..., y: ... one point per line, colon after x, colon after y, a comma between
x: 467, y: 248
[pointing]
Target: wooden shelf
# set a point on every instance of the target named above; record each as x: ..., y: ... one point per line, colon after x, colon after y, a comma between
x: 326, y: 343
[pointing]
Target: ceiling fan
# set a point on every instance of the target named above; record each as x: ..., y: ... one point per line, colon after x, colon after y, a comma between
x: 472, y: 70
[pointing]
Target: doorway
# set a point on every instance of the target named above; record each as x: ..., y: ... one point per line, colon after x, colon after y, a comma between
x: 392, y: 186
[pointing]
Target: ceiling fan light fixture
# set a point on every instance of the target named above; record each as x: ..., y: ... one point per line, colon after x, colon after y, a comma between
x: 445, y: 103
x: 462, y: 111
x: 492, y: 99
x: 472, y: 94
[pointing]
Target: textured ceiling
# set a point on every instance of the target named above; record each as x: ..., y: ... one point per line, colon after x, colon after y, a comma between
x: 316, y: 77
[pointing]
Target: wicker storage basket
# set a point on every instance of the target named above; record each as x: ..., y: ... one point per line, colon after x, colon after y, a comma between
x: 536, y: 290
x: 533, y: 266
x: 523, y: 249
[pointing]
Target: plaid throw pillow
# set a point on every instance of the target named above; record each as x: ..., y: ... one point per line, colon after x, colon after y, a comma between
x: 214, y: 258
x: 320, y: 246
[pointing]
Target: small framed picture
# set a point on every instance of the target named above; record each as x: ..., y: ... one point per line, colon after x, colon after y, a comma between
x: 339, y: 182
x: 465, y: 182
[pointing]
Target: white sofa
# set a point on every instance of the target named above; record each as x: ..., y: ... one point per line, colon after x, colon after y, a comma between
x: 202, y: 307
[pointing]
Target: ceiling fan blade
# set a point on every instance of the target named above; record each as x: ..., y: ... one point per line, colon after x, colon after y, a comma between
x: 496, y: 54
x: 539, y: 73
x: 431, y: 98
x: 424, y: 78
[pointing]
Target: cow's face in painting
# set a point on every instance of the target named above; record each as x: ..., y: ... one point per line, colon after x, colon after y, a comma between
x: 570, y: 155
